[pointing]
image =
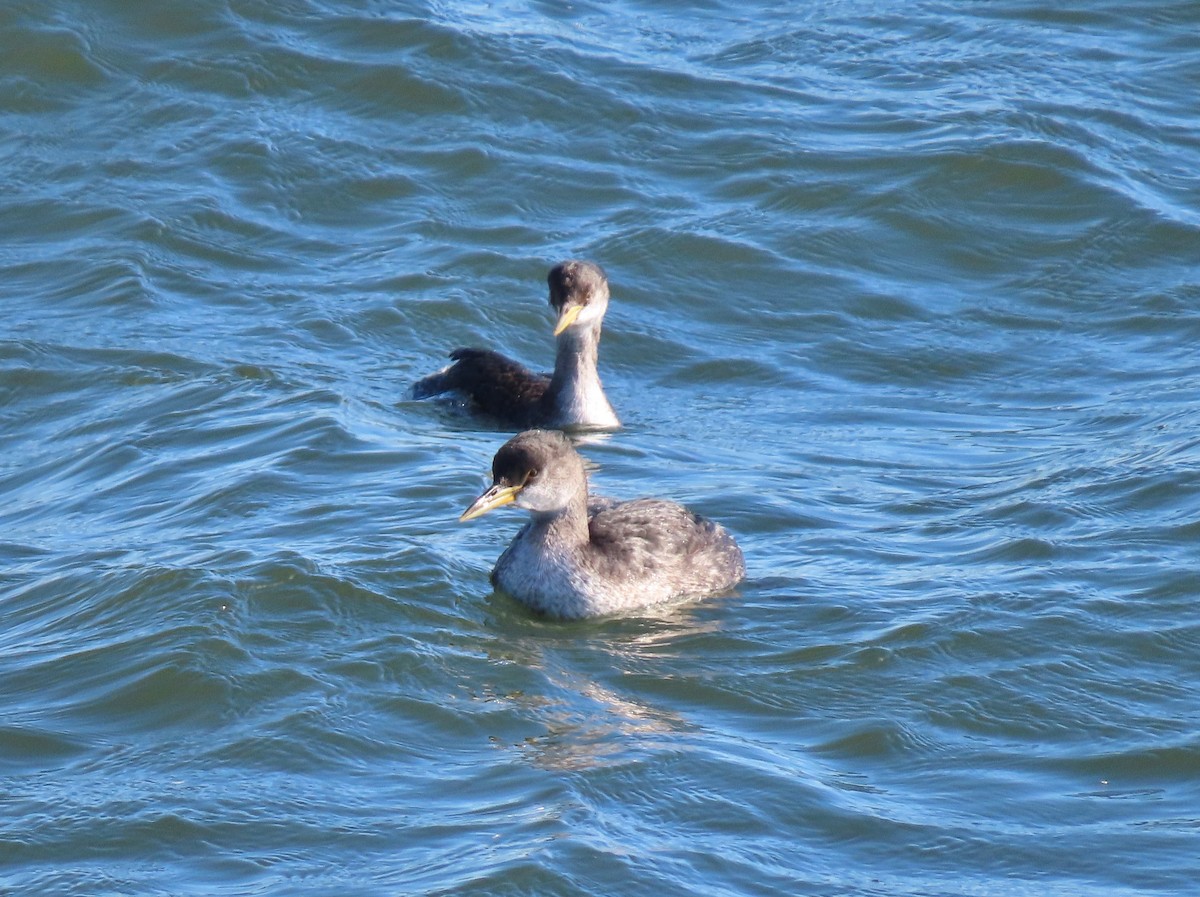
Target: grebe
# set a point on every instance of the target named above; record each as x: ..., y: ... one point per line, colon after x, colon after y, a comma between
x: 514, y: 395
x: 573, y: 561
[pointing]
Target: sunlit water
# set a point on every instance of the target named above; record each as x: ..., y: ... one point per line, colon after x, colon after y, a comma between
x: 908, y: 299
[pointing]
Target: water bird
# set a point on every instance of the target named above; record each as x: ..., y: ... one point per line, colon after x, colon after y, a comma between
x: 509, y: 392
x: 578, y: 558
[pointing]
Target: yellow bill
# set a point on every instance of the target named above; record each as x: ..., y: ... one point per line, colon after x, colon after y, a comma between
x: 496, y: 497
x: 567, y: 318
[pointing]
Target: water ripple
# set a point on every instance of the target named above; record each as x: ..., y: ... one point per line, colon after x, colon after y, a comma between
x: 908, y: 301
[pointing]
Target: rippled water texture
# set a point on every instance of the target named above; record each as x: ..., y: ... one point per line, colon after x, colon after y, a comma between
x: 907, y: 297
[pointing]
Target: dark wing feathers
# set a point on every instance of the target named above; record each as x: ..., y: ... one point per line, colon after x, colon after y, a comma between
x: 499, y: 386
x: 652, y: 539
x: 650, y: 530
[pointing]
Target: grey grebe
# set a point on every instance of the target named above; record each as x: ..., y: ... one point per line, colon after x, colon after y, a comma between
x: 574, y: 561
x: 573, y: 396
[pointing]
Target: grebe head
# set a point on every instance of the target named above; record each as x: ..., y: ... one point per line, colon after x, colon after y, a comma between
x: 578, y: 293
x: 537, y: 470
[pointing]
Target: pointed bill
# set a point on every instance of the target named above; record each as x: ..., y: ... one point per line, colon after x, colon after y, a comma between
x: 496, y: 497
x: 567, y: 318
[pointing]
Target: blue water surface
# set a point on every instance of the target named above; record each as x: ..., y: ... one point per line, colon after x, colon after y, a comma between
x: 907, y: 297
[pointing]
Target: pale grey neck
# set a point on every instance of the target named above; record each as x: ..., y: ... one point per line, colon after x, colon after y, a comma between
x: 567, y: 528
x: 575, y: 389
x: 576, y: 355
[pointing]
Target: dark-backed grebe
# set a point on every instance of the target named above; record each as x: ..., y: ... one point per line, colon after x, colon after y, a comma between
x: 514, y: 395
x: 575, y: 561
